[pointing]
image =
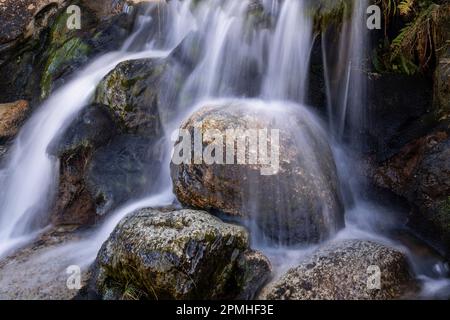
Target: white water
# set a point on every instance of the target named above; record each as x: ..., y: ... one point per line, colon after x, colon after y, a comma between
x: 232, y: 56
x: 344, y: 76
x: 30, y: 175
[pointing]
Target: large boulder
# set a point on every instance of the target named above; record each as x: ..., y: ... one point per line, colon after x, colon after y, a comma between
x: 421, y: 174
x: 186, y: 254
x: 297, y: 203
x: 343, y: 270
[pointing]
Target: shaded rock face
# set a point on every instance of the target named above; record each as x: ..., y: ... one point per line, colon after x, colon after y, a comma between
x: 340, y: 271
x: 131, y: 91
x: 421, y: 174
x: 100, y: 168
x: 299, y: 203
x: 182, y: 254
x: 93, y: 128
x: 399, y: 109
x: 123, y: 170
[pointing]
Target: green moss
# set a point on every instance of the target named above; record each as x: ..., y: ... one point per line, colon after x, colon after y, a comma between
x: 331, y: 13
x: 73, y: 50
x: 443, y: 216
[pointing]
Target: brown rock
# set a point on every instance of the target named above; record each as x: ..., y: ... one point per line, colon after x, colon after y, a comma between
x: 19, y: 17
x: 420, y: 173
x: 12, y: 116
x: 298, y: 203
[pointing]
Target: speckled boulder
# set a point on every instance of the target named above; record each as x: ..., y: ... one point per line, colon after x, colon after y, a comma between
x: 340, y: 271
x: 185, y: 254
x: 299, y: 203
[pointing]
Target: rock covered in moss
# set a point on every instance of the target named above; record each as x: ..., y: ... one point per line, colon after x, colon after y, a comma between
x: 131, y: 91
x: 342, y: 271
x: 185, y: 254
x: 298, y: 203
x: 69, y: 49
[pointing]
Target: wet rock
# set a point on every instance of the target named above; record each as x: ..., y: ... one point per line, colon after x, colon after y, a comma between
x: 126, y: 168
x: 131, y: 91
x: 186, y: 254
x: 12, y: 116
x: 421, y: 174
x: 69, y: 49
x: 298, y: 203
x: 254, y: 269
x: 91, y: 130
x: 340, y: 271
x: 38, y: 64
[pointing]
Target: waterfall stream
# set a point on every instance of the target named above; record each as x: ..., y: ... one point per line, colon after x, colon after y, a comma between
x: 238, y: 61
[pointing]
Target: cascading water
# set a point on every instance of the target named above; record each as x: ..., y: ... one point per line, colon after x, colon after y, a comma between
x: 345, y: 75
x: 237, y: 57
x: 29, y: 176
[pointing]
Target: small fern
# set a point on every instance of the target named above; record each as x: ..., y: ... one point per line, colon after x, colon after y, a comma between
x: 406, y: 7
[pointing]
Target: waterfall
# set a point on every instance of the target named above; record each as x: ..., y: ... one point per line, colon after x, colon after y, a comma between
x: 244, y: 52
x: 30, y: 175
x: 344, y: 64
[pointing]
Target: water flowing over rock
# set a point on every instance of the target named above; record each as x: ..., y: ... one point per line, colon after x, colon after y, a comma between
x: 122, y: 170
x: 341, y: 271
x: 39, y: 271
x: 70, y: 49
x: 186, y: 254
x: 93, y: 128
x: 298, y: 203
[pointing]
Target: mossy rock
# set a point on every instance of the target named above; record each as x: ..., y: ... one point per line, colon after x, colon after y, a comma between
x: 132, y: 92
x: 177, y: 254
x: 69, y: 50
